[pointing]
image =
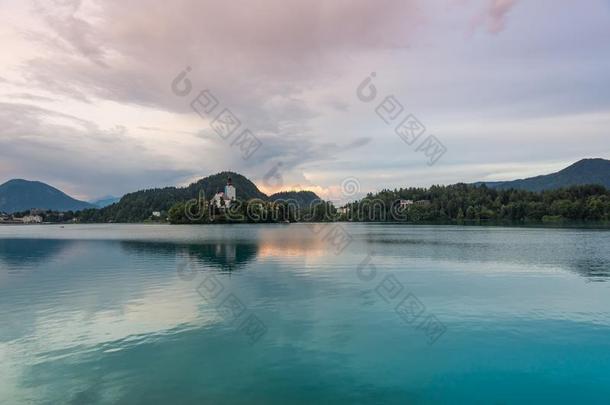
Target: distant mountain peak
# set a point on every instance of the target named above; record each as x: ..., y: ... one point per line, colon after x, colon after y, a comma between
x: 22, y: 195
x: 21, y: 181
x: 583, y: 172
x: 600, y: 160
x: 590, y: 162
x: 105, y: 201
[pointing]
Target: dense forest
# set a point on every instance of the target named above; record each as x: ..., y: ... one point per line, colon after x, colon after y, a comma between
x: 460, y: 203
x: 252, y: 211
x: 471, y: 203
x: 302, y: 198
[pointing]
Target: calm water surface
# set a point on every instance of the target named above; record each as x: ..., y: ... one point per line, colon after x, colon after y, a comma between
x: 139, y: 314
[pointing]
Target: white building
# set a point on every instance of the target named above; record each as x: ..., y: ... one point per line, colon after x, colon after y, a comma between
x: 156, y: 214
x: 405, y: 203
x: 32, y: 219
x: 229, y: 190
x: 224, y: 199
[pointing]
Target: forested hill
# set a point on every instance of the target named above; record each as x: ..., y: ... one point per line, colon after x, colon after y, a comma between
x: 303, y: 198
x: 463, y: 202
x: 583, y: 172
x: 139, y: 206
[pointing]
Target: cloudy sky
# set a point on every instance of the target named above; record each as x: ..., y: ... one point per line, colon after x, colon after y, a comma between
x: 91, y: 101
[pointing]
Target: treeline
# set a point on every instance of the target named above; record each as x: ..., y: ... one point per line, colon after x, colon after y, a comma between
x: 253, y: 211
x: 469, y: 203
x: 459, y: 203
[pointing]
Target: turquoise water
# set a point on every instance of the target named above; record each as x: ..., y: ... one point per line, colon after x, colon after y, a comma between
x: 291, y: 314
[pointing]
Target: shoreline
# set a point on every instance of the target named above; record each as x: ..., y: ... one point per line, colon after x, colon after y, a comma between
x: 531, y: 225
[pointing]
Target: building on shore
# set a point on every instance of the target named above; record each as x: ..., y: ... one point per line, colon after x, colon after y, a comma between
x: 405, y: 203
x: 30, y: 219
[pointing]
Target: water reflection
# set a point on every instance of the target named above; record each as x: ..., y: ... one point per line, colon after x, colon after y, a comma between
x: 594, y: 269
x: 222, y: 255
x: 584, y: 253
x: 15, y: 253
x: 110, y: 320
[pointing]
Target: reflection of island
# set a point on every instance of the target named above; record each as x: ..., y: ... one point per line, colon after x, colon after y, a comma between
x: 226, y: 256
x: 231, y: 254
x: 223, y: 255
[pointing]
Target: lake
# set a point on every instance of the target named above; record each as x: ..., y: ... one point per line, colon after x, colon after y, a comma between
x: 349, y: 313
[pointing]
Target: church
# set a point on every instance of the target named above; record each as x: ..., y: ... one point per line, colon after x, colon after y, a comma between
x: 222, y: 199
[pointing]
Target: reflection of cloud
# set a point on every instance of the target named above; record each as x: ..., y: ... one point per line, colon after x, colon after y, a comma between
x: 66, y: 329
x: 154, y: 312
x: 288, y: 248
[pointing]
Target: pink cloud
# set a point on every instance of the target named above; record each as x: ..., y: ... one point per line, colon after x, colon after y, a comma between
x: 130, y: 51
x: 494, y: 17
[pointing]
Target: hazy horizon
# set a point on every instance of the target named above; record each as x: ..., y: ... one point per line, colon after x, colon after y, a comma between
x: 339, y: 197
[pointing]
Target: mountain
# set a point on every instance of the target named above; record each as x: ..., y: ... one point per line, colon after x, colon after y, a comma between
x: 105, y: 201
x: 139, y: 206
x: 21, y: 195
x: 583, y: 172
x: 303, y: 198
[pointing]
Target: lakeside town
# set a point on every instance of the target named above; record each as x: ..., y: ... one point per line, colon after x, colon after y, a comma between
x: 37, y: 216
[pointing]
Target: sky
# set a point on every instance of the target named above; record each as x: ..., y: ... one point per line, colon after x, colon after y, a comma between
x: 107, y: 97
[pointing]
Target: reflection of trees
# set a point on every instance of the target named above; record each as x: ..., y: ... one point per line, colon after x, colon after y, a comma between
x: 586, y: 258
x: 23, y: 252
x: 592, y: 268
x: 223, y: 255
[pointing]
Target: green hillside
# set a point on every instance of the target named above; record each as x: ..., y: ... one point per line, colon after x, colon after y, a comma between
x: 303, y: 198
x: 139, y: 206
